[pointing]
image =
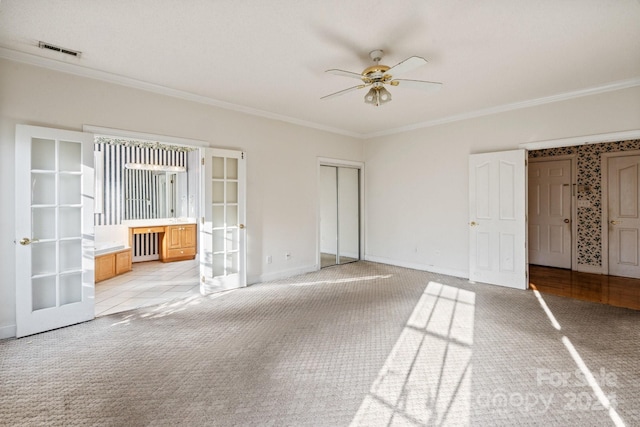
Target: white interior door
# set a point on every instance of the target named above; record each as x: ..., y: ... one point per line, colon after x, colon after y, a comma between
x: 624, y: 216
x: 497, y: 218
x: 550, y: 213
x: 222, y: 230
x: 54, y: 229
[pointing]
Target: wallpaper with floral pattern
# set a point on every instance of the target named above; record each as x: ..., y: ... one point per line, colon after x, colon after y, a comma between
x: 589, y: 174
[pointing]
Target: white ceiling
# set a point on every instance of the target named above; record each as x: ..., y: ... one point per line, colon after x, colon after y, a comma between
x: 269, y: 57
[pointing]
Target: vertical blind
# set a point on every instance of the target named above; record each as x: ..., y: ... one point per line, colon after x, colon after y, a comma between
x: 115, y: 157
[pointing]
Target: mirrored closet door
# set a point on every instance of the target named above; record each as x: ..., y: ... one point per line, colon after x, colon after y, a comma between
x: 339, y: 215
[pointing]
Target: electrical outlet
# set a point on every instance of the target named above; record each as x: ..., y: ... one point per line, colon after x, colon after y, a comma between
x: 269, y: 259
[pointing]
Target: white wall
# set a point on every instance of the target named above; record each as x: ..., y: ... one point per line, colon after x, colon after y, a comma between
x: 417, y: 182
x: 282, y: 188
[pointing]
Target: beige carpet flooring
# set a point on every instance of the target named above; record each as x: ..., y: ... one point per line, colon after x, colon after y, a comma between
x: 359, y: 344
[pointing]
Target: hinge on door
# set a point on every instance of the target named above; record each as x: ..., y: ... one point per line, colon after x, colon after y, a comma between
x: 202, y: 220
x: 203, y: 161
x: 203, y: 280
x: 526, y: 162
x: 243, y: 155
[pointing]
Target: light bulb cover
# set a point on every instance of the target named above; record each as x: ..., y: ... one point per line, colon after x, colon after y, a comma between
x: 377, y: 95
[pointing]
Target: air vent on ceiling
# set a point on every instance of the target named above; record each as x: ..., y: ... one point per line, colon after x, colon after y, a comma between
x: 45, y: 45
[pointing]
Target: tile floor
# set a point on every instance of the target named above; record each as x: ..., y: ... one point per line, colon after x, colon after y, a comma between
x: 149, y: 283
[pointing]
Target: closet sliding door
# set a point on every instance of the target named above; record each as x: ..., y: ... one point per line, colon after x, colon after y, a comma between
x: 339, y: 215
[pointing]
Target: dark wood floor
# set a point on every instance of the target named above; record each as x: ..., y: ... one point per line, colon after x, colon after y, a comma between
x: 612, y: 290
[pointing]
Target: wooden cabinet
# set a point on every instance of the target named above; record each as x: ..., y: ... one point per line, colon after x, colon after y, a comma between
x: 123, y: 261
x: 112, y: 264
x: 179, y: 243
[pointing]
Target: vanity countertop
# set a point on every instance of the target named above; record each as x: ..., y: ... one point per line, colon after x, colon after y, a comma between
x: 157, y: 222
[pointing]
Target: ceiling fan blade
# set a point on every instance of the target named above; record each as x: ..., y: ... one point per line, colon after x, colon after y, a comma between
x: 418, y: 84
x: 342, y: 92
x: 406, y: 66
x: 345, y: 73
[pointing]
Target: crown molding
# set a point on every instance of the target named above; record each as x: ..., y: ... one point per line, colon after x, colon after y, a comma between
x: 81, y: 71
x: 582, y: 140
x: 609, y: 87
x: 78, y: 70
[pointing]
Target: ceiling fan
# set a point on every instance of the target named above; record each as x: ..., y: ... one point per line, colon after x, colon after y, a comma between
x: 379, y: 75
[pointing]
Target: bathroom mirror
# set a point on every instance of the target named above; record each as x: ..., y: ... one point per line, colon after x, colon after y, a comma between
x: 153, y: 193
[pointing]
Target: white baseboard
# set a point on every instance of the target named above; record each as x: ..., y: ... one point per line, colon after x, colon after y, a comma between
x: 418, y: 266
x: 7, y: 332
x: 282, y: 274
x: 584, y: 268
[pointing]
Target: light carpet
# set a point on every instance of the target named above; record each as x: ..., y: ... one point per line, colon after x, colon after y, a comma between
x: 359, y: 344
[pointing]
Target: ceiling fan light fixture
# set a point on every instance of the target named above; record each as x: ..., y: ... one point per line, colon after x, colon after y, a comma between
x: 371, y: 96
x: 377, y: 96
x: 385, y: 95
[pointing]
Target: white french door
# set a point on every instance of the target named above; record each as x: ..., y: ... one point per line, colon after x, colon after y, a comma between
x: 624, y: 215
x: 222, y: 229
x: 54, y: 229
x: 497, y: 218
x: 550, y: 213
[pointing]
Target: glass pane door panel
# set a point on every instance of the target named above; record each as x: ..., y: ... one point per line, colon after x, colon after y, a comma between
x: 43, y: 154
x: 217, y: 188
x: 43, y: 292
x: 218, y: 168
x: 70, y: 222
x: 70, y: 189
x: 218, y: 216
x: 232, y: 239
x: 70, y: 156
x: 218, y: 241
x: 232, y: 192
x: 232, y: 168
x: 43, y: 189
x: 232, y: 263
x: 42, y: 262
x: 218, y: 265
x: 43, y: 223
x: 70, y: 288
x: 70, y: 255
x: 232, y: 216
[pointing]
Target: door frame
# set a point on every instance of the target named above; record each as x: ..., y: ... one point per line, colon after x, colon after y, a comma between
x: 574, y: 211
x: 583, y: 140
x: 604, y: 188
x: 326, y: 161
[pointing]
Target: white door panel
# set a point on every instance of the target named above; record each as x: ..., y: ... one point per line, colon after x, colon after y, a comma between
x: 222, y: 230
x: 550, y: 213
x: 54, y: 229
x: 497, y: 207
x: 624, y: 216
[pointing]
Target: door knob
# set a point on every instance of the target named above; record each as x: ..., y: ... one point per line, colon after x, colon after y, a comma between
x: 26, y: 241
x: 473, y: 223
x: 567, y: 220
x: 241, y: 226
x: 614, y: 222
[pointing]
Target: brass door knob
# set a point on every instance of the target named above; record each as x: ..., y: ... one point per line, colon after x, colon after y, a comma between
x: 567, y: 220
x: 473, y: 223
x: 26, y: 241
x: 241, y: 226
x: 614, y: 222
